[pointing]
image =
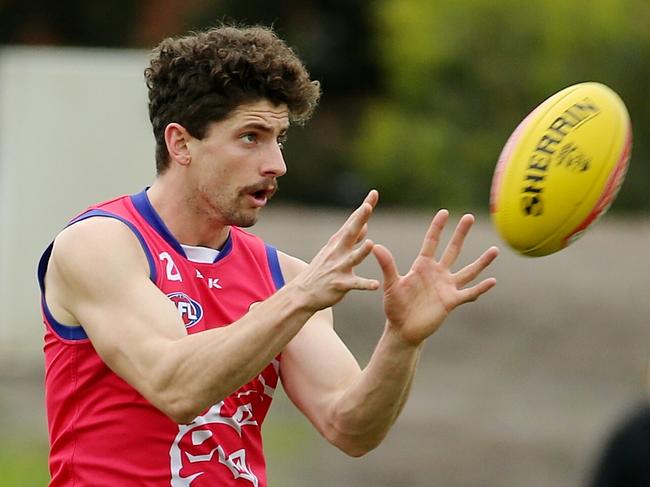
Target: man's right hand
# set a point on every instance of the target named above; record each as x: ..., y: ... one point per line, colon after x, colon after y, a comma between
x: 330, y: 275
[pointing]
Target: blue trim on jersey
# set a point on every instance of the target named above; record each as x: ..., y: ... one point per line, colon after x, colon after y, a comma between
x: 153, y: 274
x: 64, y: 331
x: 274, y: 265
x: 144, y: 207
x: 42, y: 266
x: 225, y: 250
x: 148, y: 212
x: 77, y: 332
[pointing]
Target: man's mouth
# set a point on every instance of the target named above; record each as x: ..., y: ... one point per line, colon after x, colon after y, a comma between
x: 262, y: 193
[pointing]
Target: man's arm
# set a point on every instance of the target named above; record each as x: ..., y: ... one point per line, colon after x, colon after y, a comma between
x: 355, y: 409
x: 98, y: 277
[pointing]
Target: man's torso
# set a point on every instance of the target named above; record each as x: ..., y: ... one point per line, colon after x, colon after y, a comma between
x: 103, y: 432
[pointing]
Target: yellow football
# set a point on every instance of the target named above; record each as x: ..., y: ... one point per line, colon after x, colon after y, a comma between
x: 561, y: 169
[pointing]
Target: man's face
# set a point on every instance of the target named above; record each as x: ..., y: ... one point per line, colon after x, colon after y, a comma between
x: 235, y: 167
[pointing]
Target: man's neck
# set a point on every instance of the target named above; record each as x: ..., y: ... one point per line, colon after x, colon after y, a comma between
x: 187, y: 225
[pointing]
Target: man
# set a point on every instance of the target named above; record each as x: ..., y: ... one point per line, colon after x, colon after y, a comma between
x: 168, y: 327
x: 624, y: 460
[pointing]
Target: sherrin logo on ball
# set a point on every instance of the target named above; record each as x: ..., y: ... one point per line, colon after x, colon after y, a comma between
x: 561, y: 169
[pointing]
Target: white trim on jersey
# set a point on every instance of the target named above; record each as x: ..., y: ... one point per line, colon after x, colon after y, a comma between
x: 200, y: 255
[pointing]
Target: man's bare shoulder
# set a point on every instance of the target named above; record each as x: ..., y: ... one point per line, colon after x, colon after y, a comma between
x: 291, y: 266
x: 95, y: 233
x: 89, y: 258
x: 95, y: 242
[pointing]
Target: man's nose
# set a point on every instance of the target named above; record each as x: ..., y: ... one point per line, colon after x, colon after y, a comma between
x: 274, y: 164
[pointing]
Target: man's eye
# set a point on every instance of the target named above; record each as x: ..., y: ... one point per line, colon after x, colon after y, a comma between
x: 281, y: 141
x: 250, y: 138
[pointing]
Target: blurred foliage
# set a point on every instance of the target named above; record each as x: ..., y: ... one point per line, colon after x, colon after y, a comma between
x: 419, y: 95
x: 331, y: 36
x: 459, y: 76
x: 23, y: 464
x: 68, y: 22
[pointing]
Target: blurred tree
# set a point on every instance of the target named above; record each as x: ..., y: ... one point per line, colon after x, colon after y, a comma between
x: 66, y: 22
x: 119, y: 23
x: 332, y: 36
x: 456, y: 79
x: 459, y: 76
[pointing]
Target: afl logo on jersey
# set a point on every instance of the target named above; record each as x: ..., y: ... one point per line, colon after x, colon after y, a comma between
x: 191, y: 311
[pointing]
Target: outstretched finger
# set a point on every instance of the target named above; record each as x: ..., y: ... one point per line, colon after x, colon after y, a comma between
x: 362, y: 234
x: 432, y: 237
x: 363, y: 284
x: 387, y: 264
x: 372, y: 198
x: 455, y: 244
x: 352, y: 228
x: 470, y: 272
x: 359, y: 254
x: 475, y: 292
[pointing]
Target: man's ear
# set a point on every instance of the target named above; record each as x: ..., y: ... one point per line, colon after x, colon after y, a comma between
x: 177, y: 139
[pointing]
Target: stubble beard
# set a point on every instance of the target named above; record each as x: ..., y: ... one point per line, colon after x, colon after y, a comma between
x: 233, y: 211
x: 242, y: 218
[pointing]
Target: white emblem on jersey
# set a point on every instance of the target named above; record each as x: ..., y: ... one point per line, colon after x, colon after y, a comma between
x: 235, y: 461
x: 189, y: 309
x: 170, y: 267
x: 267, y: 389
x: 214, y: 283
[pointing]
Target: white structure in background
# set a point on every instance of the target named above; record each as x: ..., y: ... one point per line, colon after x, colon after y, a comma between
x: 74, y: 130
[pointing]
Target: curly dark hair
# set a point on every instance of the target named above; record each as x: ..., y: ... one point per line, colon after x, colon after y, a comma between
x: 200, y: 78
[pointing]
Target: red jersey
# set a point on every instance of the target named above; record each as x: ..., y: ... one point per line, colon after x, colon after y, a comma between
x: 102, y: 431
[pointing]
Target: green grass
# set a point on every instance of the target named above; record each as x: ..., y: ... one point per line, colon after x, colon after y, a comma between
x: 287, y: 439
x: 23, y: 465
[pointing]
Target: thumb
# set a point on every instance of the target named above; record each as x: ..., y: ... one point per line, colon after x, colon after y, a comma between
x: 387, y: 263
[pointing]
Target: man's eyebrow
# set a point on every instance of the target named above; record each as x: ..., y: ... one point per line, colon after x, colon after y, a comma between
x: 263, y: 127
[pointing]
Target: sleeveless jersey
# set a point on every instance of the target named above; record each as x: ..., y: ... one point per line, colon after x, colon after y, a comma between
x: 102, y: 431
